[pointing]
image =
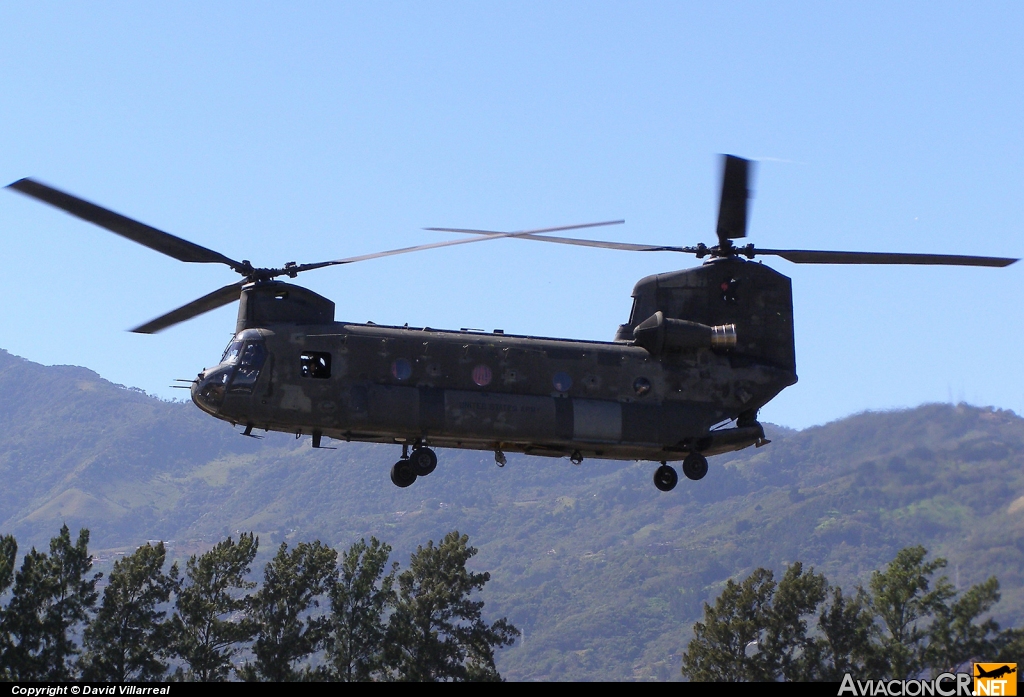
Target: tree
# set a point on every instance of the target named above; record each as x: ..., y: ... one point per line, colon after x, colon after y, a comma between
x: 719, y: 649
x: 955, y: 637
x: 757, y: 631
x: 129, y: 633
x: 902, y: 597
x: 1009, y: 646
x: 8, y: 555
x: 361, y: 597
x: 846, y: 626
x: 52, y: 595
x: 436, y: 632
x: 209, y: 620
x: 23, y: 620
x: 906, y: 624
x: 279, y: 611
x: 788, y: 651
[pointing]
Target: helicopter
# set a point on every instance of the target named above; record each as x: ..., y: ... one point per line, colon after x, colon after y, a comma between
x: 702, y: 351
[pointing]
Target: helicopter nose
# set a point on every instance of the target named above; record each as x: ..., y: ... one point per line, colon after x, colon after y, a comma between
x: 209, y: 388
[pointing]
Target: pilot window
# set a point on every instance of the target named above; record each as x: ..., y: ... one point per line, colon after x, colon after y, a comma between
x: 231, y: 352
x: 249, y: 364
x: 316, y: 365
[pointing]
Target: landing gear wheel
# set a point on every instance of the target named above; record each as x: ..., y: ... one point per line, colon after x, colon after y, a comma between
x: 665, y: 478
x: 423, y: 461
x: 695, y: 466
x: 403, y: 474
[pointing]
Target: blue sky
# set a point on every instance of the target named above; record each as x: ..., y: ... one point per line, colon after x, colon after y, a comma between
x: 314, y: 131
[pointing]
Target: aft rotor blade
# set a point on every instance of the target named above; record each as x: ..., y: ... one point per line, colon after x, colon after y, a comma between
x: 803, y: 256
x: 732, y: 209
x: 435, y: 245
x: 218, y: 298
x: 148, y: 236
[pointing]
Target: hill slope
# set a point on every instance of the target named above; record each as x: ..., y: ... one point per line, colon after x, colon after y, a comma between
x: 604, y: 574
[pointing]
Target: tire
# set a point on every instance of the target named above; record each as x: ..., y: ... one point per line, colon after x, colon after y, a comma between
x: 695, y: 466
x: 423, y: 460
x: 403, y: 474
x: 665, y: 478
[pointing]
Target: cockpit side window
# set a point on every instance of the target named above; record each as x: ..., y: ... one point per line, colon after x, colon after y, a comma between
x: 632, y: 313
x: 316, y: 364
x: 643, y: 307
x: 231, y: 352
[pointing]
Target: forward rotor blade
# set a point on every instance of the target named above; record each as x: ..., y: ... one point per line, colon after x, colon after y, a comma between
x: 626, y: 246
x: 523, y: 233
x: 218, y: 298
x: 732, y: 209
x: 803, y: 256
x: 158, y: 240
x: 434, y: 245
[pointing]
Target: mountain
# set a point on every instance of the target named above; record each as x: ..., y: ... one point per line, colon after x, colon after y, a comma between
x: 603, y: 573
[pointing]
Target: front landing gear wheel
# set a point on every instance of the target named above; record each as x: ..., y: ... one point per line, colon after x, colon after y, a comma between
x: 403, y: 474
x: 665, y: 478
x: 423, y: 461
x: 695, y: 466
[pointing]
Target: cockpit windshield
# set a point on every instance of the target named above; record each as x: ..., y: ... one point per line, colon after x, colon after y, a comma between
x: 248, y: 370
x: 231, y: 352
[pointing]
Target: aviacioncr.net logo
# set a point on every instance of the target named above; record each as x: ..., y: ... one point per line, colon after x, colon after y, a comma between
x: 995, y: 679
x: 946, y: 685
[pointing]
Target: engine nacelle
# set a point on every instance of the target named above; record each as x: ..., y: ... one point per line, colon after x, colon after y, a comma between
x: 658, y: 333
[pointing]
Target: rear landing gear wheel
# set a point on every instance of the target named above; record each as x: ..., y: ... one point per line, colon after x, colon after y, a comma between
x: 695, y: 466
x: 423, y: 461
x: 665, y: 478
x: 403, y: 474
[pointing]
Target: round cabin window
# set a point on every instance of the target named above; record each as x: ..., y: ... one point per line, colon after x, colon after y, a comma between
x: 401, y: 369
x: 482, y: 375
x: 641, y: 386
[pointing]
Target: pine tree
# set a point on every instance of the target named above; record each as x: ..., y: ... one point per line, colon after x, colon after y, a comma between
x: 285, y: 633
x: 360, y: 599
x: 955, y: 637
x: 52, y: 596
x: 757, y: 630
x: 908, y: 623
x: 436, y: 632
x: 902, y: 597
x: 8, y: 555
x: 720, y: 650
x: 847, y: 626
x: 787, y: 649
x: 209, y: 620
x: 129, y: 635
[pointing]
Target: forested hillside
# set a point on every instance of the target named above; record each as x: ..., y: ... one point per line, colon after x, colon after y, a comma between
x: 604, y: 574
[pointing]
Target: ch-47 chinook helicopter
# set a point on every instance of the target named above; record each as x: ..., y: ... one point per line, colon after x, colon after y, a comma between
x: 702, y: 351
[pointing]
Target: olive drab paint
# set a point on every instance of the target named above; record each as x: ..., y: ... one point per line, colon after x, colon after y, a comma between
x: 468, y: 389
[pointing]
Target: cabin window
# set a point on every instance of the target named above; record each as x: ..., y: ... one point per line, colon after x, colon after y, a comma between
x: 316, y: 364
x: 401, y: 369
x: 482, y: 375
x: 641, y: 386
